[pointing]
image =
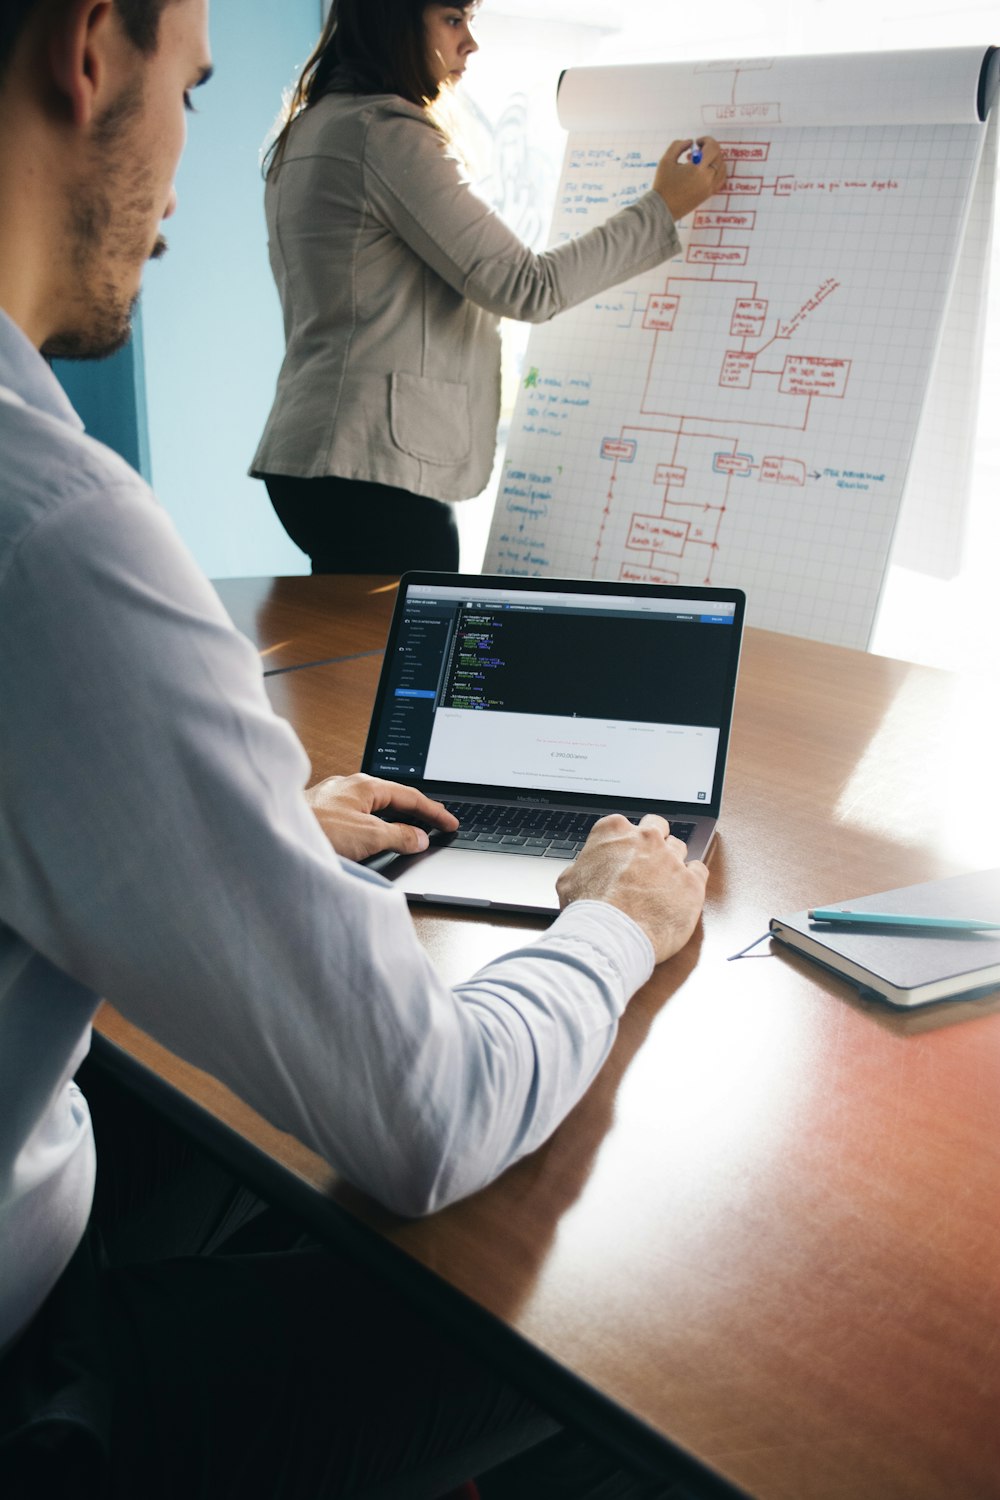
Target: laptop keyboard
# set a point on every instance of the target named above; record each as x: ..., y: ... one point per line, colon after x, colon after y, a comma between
x: 539, y: 831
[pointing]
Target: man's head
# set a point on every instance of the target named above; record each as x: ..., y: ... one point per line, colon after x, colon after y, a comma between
x: 140, y: 19
x: 96, y: 91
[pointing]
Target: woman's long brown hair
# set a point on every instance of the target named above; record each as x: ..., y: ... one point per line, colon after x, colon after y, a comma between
x: 366, y: 47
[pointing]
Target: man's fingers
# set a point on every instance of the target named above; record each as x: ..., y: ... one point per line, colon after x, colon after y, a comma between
x: 659, y: 825
x: 406, y: 839
x: 438, y: 814
x: 407, y: 801
x: 616, y: 823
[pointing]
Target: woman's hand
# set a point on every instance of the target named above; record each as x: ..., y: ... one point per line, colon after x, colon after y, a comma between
x: 683, y: 185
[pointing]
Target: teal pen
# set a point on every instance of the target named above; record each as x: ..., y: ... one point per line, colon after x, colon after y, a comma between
x: 898, y: 919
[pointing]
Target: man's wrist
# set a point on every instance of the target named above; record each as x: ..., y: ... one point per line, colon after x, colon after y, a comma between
x: 618, y: 935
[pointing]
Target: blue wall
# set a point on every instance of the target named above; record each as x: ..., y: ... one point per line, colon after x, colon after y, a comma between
x: 211, y: 323
x: 110, y: 398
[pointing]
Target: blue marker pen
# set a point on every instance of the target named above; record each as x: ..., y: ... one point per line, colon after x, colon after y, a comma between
x: 845, y: 915
x: 695, y: 153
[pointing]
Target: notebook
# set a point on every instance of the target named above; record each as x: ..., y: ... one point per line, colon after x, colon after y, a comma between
x: 909, y: 966
x: 533, y: 706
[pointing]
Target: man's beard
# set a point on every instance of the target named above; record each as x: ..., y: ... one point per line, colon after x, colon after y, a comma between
x: 108, y: 223
x: 109, y: 329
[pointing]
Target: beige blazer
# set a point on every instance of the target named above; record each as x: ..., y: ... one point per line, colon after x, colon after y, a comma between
x: 393, y: 275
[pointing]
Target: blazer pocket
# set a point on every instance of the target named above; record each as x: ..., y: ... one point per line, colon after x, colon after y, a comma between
x: 429, y: 419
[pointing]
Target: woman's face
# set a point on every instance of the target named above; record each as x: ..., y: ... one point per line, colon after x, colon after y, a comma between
x: 450, y: 42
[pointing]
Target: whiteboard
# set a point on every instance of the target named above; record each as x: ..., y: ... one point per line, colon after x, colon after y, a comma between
x: 748, y: 414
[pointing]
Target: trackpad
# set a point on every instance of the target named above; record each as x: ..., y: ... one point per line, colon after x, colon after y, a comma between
x: 463, y: 877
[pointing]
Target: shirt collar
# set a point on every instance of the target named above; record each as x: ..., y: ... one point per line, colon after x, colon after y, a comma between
x: 27, y: 375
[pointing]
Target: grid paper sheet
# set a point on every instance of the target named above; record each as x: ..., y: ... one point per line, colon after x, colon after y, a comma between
x: 748, y: 414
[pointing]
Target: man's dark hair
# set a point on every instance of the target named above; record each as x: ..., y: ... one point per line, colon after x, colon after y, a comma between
x: 140, y: 19
x: 366, y: 47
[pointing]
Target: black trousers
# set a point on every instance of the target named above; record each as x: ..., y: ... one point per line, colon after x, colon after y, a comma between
x: 197, y: 1348
x: 353, y: 526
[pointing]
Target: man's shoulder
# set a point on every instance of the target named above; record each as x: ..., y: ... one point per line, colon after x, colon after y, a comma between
x: 49, y: 468
x: 81, y: 531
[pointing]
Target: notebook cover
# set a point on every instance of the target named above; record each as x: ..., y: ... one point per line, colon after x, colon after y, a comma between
x: 909, y: 966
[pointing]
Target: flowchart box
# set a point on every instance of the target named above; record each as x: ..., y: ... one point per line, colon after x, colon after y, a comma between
x: 629, y: 574
x: 734, y: 464
x: 805, y: 376
x: 717, y: 255
x: 621, y: 449
x: 673, y: 474
x: 744, y: 187
x: 775, y: 470
x: 725, y: 218
x: 657, y: 534
x: 742, y: 114
x: 749, y: 315
x: 737, y: 370
x: 745, y: 150
x: 661, y: 311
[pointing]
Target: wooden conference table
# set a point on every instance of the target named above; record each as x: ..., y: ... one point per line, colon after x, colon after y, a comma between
x: 769, y: 1236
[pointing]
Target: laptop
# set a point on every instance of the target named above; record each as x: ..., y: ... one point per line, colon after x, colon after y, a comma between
x: 534, y: 706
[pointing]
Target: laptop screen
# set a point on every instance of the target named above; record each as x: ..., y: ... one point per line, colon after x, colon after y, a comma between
x: 599, y: 693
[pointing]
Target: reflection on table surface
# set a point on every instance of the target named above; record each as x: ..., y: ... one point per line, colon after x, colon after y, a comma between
x: 769, y: 1230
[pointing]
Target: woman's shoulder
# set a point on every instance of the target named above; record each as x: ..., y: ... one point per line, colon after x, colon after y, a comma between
x: 336, y: 108
x: 354, y: 125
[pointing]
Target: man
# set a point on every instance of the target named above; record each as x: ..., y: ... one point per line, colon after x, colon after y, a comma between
x: 158, y: 850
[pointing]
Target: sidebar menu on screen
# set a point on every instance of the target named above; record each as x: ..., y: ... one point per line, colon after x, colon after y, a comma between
x: 404, y: 729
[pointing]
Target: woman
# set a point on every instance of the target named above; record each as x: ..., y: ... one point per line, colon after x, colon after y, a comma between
x: 393, y: 276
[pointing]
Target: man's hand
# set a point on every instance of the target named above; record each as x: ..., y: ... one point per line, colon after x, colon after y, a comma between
x: 345, y: 807
x: 683, y: 185
x: 640, y: 870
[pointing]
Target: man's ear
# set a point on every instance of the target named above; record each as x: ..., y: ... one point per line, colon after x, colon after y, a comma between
x: 78, y: 49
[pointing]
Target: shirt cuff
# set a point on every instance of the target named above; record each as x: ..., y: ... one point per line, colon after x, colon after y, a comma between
x: 620, y: 940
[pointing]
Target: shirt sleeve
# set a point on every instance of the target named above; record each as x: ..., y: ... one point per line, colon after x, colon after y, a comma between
x: 162, y: 853
x: 421, y: 191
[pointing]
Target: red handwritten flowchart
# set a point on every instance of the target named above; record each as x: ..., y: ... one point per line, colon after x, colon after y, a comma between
x: 722, y: 238
x: 750, y: 407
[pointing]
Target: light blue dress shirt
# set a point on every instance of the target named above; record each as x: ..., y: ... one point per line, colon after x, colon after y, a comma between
x: 157, y: 850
